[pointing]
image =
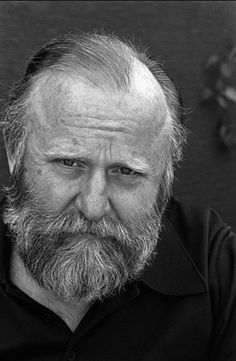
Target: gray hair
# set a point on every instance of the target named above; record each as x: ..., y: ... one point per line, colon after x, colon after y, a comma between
x: 104, y: 60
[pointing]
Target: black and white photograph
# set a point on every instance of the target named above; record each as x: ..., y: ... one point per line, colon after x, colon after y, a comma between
x: 118, y: 181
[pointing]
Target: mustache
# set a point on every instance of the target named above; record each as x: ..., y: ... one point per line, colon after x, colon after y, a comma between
x: 72, y: 222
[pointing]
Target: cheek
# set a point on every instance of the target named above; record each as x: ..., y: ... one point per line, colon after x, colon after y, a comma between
x: 54, y: 193
x: 129, y: 205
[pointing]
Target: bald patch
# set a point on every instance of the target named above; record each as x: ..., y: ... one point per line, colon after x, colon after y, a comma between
x: 47, y: 95
x: 63, y: 98
x: 144, y: 83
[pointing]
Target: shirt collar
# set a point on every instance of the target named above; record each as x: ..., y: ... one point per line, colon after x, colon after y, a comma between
x: 172, y: 272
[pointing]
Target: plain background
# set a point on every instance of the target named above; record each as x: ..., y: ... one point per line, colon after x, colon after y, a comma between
x: 181, y: 33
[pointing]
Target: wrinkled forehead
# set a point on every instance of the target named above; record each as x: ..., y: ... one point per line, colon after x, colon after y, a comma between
x: 61, y: 98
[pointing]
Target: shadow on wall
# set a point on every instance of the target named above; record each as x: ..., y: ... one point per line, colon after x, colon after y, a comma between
x: 181, y: 34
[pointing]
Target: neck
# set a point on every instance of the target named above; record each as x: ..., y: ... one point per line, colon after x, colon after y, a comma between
x: 70, y: 312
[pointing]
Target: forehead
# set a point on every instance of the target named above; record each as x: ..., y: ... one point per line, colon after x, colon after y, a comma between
x: 59, y: 96
x: 66, y: 106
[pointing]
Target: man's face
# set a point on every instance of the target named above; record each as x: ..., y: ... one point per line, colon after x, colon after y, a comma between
x: 100, y: 153
x: 93, y: 165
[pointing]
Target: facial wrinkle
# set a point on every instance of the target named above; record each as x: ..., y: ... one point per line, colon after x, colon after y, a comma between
x: 100, y: 150
x: 110, y: 149
x: 105, y: 150
x: 114, y: 124
x: 108, y: 129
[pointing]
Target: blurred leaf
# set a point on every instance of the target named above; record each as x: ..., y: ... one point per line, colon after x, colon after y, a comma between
x: 222, y: 102
x: 223, y: 131
x: 206, y: 94
x: 230, y: 93
x: 226, y: 69
x: 212, y: 60
x: 227, y: 136
x: 221, y: 71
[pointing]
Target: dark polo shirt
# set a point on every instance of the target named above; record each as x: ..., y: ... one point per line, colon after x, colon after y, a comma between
x: 183, y: 308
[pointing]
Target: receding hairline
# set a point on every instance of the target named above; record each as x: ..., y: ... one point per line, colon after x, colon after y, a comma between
x: 138, y: 74
x: 103, y: 61
x: 49, y: 83
x: 106, y: 56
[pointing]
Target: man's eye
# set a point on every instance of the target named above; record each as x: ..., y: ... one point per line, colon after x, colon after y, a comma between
x: 126, y: 171
x: 68, y: 162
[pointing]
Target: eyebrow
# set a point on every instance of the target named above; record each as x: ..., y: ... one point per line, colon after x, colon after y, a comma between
x: 137, y: 164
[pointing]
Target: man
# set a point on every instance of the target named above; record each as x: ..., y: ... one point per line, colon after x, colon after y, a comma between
x: 98, y: 263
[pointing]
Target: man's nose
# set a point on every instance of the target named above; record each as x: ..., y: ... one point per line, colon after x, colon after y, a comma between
x: 93, y: 200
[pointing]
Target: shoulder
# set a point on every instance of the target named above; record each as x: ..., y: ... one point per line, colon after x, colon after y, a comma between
x: 193, y: 221
x: 200, y: 229
x: 211, y: 245
x: 191, y: 218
